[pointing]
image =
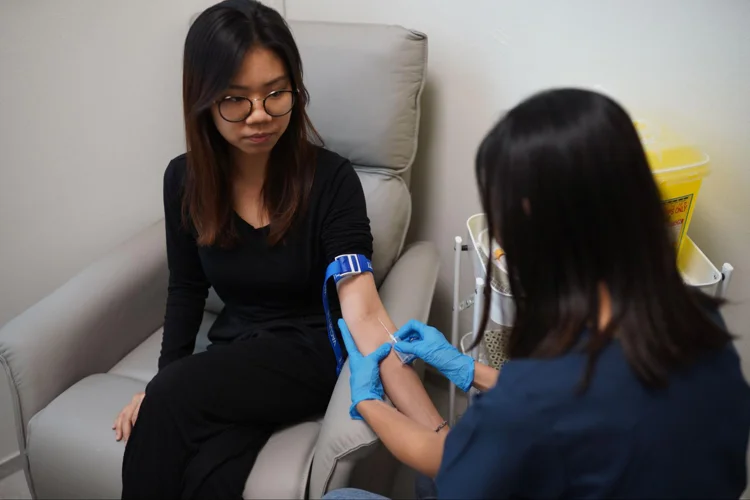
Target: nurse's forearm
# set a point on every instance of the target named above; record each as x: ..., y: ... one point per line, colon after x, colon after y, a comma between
x: 411, y: 443
x: 485, y: 377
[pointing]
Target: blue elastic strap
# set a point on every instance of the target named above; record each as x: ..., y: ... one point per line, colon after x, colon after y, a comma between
x: 341, y: 267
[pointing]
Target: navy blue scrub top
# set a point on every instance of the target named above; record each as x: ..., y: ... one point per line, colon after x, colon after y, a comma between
x: 531, y: 436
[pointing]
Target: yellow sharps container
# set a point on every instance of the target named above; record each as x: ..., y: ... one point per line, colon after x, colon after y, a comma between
x: 679, y: 170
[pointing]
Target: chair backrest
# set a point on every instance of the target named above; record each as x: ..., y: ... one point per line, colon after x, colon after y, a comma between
x: 365, y: 83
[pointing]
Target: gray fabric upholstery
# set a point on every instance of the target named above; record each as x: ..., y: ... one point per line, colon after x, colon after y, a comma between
x: 408, y: 290
x: 342, y: 442
x: 89, y: 323
x: 71, y: 445
x: 283, y: 465
x: 365, y: 81
x: 142, y: 362
x: 370, y: 115
x: 75, y: 358
x: 389, y: 210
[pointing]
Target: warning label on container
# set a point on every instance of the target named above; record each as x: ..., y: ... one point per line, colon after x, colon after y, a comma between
x: 677, y: 213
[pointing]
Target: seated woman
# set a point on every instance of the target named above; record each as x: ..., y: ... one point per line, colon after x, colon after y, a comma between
x: 258, y: 211
x: 623, y: 381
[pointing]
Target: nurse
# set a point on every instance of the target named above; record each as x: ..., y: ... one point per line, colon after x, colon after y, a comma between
x: 622, y: 381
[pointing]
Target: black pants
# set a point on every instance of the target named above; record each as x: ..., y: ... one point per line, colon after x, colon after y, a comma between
x: 205, y: 417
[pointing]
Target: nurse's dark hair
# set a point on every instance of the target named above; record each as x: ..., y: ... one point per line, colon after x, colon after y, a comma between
x: 570, y: 197
x: 214, y: 50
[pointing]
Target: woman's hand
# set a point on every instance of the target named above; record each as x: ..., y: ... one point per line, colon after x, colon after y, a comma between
x: 126, y: 419
x: 364, y: 380
x: 430, y: 345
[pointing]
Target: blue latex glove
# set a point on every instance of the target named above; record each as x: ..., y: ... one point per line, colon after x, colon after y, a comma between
x: 364, y: 380
x: 428, y: 344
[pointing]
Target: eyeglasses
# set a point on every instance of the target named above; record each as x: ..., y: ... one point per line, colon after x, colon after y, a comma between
x: 238, y: 108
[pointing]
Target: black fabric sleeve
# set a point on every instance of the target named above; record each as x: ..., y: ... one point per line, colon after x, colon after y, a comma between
x: 346, y: 227
x: 188, y: 286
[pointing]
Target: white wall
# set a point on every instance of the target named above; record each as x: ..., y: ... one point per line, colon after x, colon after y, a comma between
x: 680, y: 62
x: 91, y: 114
x: 91, y: 94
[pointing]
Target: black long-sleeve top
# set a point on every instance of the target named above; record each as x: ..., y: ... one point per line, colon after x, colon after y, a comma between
x: 263, y: 287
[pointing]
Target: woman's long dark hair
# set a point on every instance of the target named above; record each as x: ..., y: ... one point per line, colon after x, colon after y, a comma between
x: 569, y: 195
x: 214, y: 50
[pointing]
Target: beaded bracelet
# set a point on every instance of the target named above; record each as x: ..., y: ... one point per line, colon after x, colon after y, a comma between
x: 439, y: 427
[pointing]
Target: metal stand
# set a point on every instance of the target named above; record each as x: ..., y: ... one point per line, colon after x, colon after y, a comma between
x: 457, y: 249
x: 476, y: 299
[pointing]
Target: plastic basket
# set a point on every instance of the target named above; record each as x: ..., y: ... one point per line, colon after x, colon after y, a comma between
x: 492, y: 350
x: 502, y: 307
x: 696, y: 269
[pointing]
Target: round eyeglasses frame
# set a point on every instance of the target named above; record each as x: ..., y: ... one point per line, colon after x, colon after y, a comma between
x: 252, y: 101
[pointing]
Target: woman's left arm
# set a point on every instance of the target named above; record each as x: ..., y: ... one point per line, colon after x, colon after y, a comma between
x: 362, y: 311
x: 411, y: 443
x: 346, y: 230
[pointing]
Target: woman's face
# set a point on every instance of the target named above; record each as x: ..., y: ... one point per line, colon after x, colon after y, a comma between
x: 262, y: 73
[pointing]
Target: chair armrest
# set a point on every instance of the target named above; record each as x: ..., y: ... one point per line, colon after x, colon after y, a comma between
x: 283, y: 464
x: 342, y: 442
x: 406, y: 293
x: 86, y: 325
x: 408, y: 289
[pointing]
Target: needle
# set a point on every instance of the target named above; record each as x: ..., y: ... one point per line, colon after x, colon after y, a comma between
x: 387, y: 331
x: 405, y: 358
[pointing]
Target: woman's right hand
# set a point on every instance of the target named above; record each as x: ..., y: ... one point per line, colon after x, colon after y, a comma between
x: 126, y: 419
x: 428, y: 344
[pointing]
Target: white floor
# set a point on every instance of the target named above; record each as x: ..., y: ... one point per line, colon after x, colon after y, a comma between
x: 14, y: 486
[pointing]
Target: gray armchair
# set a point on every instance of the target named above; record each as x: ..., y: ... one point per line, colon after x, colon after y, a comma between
x: 76, y: 357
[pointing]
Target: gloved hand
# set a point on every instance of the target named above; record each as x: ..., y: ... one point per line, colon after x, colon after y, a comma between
x: 430, y: 345
x: 364, y: 380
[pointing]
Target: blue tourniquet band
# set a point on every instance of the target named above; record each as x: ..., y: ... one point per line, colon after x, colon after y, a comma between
x: 341, y: 267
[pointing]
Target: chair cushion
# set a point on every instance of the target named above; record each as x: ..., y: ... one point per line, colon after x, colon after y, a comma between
x: 73, y: 428
x: 71, y: 445
x: 365, y: 82
x: 142, y: 362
